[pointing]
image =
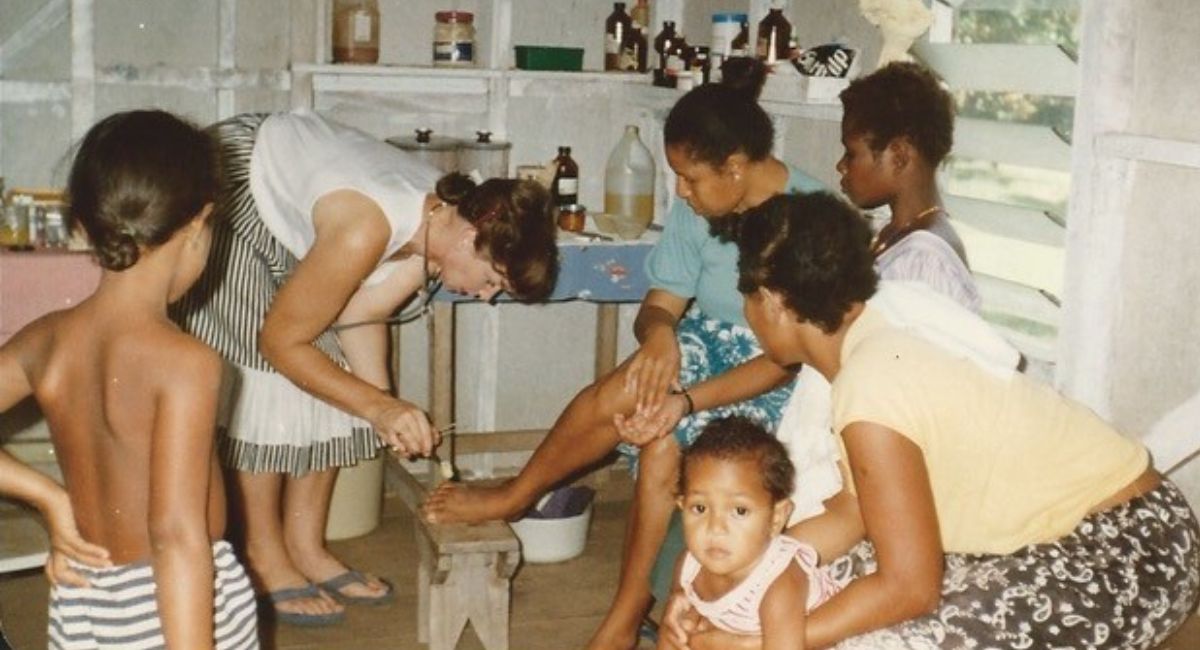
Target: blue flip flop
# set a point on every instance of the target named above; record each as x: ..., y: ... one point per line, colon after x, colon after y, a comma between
x: 334, y: 585
x: 300, y: 619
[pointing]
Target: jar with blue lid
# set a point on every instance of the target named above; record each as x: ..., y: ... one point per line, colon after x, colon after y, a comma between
x: 726, y: 26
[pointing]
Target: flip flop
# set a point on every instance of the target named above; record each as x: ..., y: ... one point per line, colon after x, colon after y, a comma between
x: 334, y: 585
x: 300, y: 619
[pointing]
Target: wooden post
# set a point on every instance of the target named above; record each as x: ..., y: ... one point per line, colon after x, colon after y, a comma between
x: 607, y: 324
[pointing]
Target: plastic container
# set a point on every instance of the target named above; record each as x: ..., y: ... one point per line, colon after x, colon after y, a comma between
x: 439, y: 151
x: 538, y: 57
x: 355, y: 31
x: 629, y: 179
x: 357, y: 500
x: 488, y: 157
x: 556, y: 530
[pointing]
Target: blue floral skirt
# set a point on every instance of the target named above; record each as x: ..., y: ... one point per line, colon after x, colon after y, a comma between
x: 709, y: 347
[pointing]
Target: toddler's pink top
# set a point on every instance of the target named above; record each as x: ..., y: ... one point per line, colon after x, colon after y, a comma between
x: 737, y: 610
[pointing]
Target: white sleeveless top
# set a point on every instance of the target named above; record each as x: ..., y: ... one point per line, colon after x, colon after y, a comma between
x: 737, y: 610
x: 922, y: 256
x: 299, y: 157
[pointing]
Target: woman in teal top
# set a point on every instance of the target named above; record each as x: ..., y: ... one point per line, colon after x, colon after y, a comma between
x: 697, y: 359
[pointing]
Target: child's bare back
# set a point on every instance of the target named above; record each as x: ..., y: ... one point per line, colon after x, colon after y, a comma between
x: 129, y: 400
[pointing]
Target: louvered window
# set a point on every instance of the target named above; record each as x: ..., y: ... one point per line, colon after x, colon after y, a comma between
x: 1012, y: 67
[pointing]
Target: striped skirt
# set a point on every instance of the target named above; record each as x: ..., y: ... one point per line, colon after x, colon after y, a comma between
x: 270, y: 425
x: 119, y: 610
x: 1124, y: 579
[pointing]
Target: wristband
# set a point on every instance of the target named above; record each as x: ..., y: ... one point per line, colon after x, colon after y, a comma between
x: 691, y: 406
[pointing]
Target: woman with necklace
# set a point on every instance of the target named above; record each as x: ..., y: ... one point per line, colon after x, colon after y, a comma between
x: 323, y: 228
x: 897, y: 128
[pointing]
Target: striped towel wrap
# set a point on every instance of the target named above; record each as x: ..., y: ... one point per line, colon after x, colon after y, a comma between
x: 119, y: 609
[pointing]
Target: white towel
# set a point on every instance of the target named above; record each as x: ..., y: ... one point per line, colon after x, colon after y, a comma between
x: 806, y: 428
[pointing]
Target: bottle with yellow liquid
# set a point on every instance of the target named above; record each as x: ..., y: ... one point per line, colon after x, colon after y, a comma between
x: 629, y: 179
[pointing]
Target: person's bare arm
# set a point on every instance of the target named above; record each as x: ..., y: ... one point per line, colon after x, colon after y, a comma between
x: 351, y: 236
x: 22, y: 482
x: 898, y: 512
x: 365, y: 341
x: 783, y: 611
x: 835, y: 531
x: 181, y: 451
x: 655, y: 365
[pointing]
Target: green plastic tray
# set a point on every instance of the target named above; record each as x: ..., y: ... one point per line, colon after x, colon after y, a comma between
x: 540, y: 57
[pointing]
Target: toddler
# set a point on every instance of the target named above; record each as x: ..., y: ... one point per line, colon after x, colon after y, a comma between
x: 740, y: 574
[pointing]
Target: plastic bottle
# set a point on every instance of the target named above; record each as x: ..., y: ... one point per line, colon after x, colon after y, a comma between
x: 629, y: 179
x: 565, y: 187
x: 774, y: 34
x: 616, y: 27
x: 356, y: 31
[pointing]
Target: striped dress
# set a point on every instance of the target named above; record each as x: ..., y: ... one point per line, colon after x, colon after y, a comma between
x: 271, y: 425
x: 119, y: 609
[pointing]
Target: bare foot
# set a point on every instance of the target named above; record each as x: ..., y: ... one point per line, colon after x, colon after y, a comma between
x: 454, y: 502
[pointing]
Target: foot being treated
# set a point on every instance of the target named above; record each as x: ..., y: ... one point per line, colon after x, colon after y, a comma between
x: 454, y: 502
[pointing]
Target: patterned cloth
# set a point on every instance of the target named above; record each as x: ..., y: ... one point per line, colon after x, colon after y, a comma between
x: 710, y: 347
x: 1125, y: 578
x: 273, y: 425
x: 119, y: 609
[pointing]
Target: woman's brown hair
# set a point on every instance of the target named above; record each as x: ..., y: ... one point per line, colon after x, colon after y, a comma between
x: 515, y: 223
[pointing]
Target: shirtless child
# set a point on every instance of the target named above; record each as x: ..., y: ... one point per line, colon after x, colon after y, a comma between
x: 131, y: 404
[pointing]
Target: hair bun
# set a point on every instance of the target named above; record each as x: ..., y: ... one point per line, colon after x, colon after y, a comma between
x: 117, y: 251
x: 744, y: 74
x: 454, y: 187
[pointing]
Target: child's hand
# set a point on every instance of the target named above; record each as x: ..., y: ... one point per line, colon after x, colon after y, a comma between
x: 66, y: 543
x: 679, y: 622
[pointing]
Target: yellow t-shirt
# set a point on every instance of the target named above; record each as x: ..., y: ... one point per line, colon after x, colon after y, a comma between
x: 1011, y: 461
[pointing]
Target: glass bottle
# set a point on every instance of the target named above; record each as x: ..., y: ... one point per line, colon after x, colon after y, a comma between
x: 616, y: 27
x: 633, y: 52
x: 629, y: 179
x: 741, y: 42
x: 356, y: 31
x: 774, y: 34
x: 565, y: 187
x: 663, y: 42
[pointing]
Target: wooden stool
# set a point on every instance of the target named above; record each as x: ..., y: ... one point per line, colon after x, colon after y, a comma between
x: 464, y: 575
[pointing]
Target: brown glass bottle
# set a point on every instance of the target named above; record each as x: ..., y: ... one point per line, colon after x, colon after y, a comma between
x: 565, y: 187
x: 616, y: 28
x: 741, y: 43
x: 774, y: 35
x: 662, y: 43
x: 633, y: 52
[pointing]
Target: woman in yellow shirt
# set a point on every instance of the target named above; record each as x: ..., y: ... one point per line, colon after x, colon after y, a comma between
x: 994, y: 512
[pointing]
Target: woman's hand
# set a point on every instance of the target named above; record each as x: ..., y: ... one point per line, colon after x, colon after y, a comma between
x: 405, y: 428
x: 67, y: 544
x: 643, y: 427
x: 654, y: 370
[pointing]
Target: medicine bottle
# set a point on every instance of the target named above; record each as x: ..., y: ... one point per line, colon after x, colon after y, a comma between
x: 616, y: 28
x: 454, y: 39
x: 774, y: 36
x: 565, y: 187
x: 355, y: 31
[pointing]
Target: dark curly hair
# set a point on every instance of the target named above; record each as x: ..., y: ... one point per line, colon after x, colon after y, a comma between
x: 515, y: 223
x: 715, y: 121
x: 901, y: 99
x: 740, y: 438
x: 814, y: 249
x: 137, y: 178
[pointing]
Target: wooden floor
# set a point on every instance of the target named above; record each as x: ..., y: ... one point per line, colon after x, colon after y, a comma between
x: 553, y: 606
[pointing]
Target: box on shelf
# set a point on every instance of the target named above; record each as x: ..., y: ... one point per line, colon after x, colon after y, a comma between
x: 785, y: 84
x: 541, y: 57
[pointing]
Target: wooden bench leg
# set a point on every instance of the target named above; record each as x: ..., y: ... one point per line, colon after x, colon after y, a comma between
x: 464, y: 587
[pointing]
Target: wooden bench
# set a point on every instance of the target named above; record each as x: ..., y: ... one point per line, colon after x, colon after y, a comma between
x: 464, y: 574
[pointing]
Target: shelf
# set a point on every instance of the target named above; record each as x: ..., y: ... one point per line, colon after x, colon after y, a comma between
x: 1179, y: 153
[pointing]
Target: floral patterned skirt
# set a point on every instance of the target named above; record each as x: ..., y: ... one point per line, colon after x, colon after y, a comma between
x: 1124, y: 578
x: 709, y: 347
